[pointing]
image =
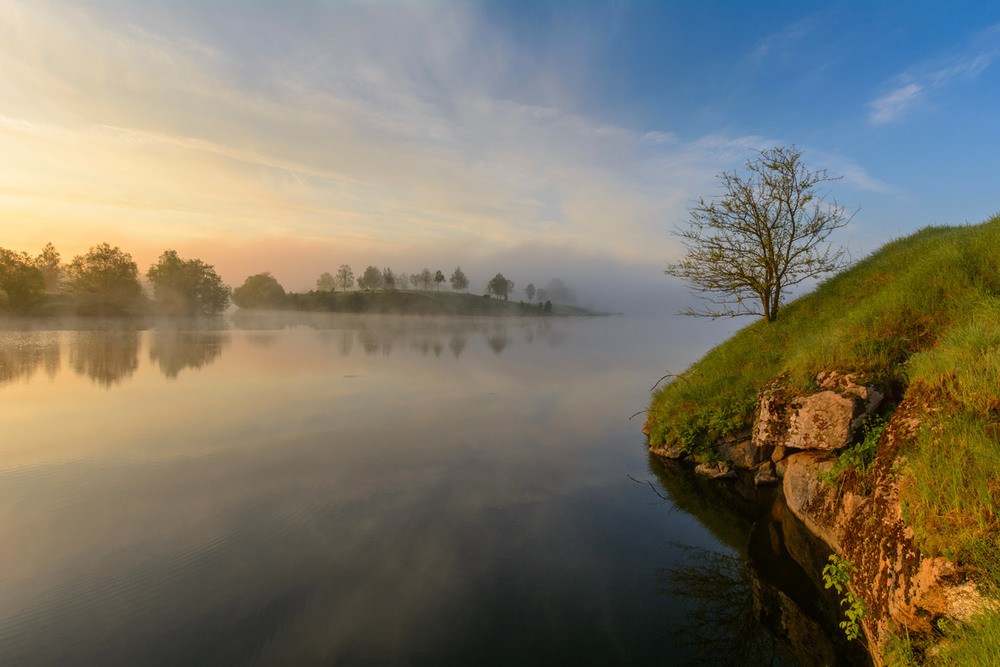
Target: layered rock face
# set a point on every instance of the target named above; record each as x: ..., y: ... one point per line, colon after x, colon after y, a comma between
x: 901, y: 588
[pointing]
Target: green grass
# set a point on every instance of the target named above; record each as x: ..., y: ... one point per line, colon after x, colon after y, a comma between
x: 920, y: 317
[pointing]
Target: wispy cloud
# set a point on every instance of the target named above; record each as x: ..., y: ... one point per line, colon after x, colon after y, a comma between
x: 352, y: 132
x: 895, y: 103
x: 780, y: 43
x: 917, y: 86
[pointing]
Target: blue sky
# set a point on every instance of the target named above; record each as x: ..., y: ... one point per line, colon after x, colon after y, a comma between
x: 539, y: 139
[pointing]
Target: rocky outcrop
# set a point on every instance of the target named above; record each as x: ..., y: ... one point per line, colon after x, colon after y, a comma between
x: 900, y: 586
x: 826, y: 420
x: 795, y: 437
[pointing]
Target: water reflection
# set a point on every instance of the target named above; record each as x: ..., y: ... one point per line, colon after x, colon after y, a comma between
x: 26, y: 353
x: 174, y: 350
x: 770, y: 581
x: 106, y: 357
x: 380, y: 335
x: 724, y: 606
x: 109, y: 353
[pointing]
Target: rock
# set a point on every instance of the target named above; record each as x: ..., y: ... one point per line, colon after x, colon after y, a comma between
x: 766, y: 475
x: 742, y: 452
x: 779, y: 453
x: 816, y: 504
x: 826, y: 420
x: 669, y: 451
x: 715, y: 470
x: 645, y: 428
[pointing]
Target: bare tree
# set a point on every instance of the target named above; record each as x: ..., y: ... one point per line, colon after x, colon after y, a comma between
x: 345, y: 277
x: 766, y: 233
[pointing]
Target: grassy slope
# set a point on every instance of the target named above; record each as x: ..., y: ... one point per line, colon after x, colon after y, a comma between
x: 920, y: 316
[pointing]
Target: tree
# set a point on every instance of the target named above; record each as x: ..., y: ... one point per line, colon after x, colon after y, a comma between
x: 21, y: 280
x: 529, y: 291
x: 765, y: 234
x: 458, y: 280
x: 426, y: 278
x: 105, y: 281
x: 370, y: 279
x: 345, y: 277
x: 325, y: 282
x: 500, y: 286
x: 187, y: 287
x: 402, y: 280
x: 388, y: 278
x: 48, y: 263
x: 261, y: 290
x: 557, y: 291
x: 438, y: 279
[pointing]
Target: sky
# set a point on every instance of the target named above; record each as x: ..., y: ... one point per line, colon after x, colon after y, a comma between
x: 537, y: 139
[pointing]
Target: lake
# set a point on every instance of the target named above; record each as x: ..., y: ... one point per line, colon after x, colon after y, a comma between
x: 372, y: 490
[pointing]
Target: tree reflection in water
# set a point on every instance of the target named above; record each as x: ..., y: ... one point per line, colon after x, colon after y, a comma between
x: 718, y: 590
x: 174, y: 350
x: 107, y: 356
x: 759, y: 600
x: 25, y: 353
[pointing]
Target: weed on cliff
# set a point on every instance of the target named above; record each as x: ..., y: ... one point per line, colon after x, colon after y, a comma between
x: 857, y: 461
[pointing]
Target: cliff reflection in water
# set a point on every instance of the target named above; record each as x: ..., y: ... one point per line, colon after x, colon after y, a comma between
x: 764, y: 600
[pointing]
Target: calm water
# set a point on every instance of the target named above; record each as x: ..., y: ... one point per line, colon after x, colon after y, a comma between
x: 367, y: 491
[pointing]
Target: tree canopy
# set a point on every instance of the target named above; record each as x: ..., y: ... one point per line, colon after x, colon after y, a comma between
x: 766, y: 233
x: 325, y: 282
x: 345, y: 277
x: 500, y: 286
x: 21, y: 280
x: 425, y: 278
x: 458, y: 280
x: 105, y: 281
x: 48, y: 262
x: 259, y: 291
x: 370, y: 279
x: 187, y: 287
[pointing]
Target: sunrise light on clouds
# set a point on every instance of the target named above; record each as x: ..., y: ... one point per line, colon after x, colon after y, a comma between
x: 296, y: 137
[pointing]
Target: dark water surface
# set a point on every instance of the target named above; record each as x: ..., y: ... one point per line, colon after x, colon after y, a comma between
x: 371, y: 491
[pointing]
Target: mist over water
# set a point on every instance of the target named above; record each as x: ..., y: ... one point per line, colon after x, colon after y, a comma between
x: 368, y: 490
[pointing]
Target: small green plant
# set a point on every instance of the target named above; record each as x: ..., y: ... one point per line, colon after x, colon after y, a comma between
x: 837, y: 575
x: 861, y: 456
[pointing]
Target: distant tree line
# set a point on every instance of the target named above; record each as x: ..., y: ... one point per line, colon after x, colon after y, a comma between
x: 106, y: 281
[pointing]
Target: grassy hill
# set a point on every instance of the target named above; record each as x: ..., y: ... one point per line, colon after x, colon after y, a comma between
x: 421, y: 302
x: 921, y: 317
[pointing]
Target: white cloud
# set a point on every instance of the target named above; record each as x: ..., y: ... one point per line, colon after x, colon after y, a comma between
x: 357, y: 132
x: 915, y: 87
x: 894, y: 104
